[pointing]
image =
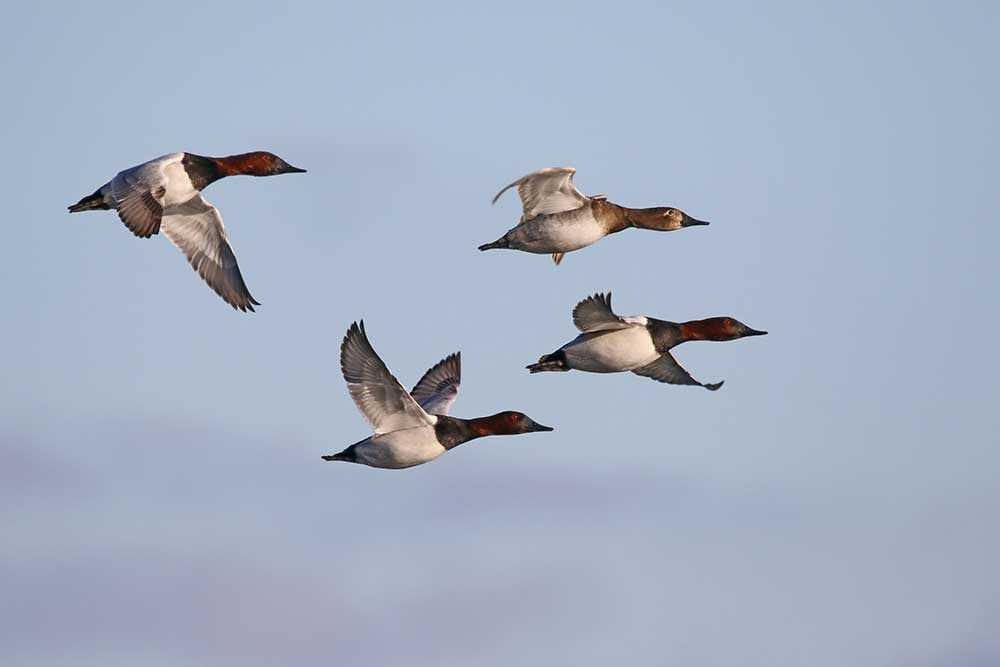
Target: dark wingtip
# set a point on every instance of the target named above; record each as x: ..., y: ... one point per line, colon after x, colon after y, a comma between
x: 330, y: 457
x: 714, y: 386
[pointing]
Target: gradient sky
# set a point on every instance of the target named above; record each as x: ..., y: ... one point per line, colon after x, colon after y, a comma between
x: 834, y: 504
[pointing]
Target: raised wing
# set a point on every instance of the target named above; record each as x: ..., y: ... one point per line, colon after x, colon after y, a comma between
x: 195, y: 227
x: 547, y: 191
x: 594, y: 314
x: 666, y: 369
x: 138, y: 193
x: 381, y: 399
x: 438, y: 388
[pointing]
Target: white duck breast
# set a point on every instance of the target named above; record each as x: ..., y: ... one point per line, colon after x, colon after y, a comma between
x: 400, y: 449
x: 611, y: 351
x: 558, y: 232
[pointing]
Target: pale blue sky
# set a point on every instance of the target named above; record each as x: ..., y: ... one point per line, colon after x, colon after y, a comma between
x: 834, y: 504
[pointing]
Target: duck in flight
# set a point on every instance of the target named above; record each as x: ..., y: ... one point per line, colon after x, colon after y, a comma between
x: 165, y: 193
x: 411, y: 427
x: 557, y: 218
x: 612, y: 344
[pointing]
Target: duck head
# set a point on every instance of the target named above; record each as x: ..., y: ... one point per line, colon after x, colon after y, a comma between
x: 507, y: 423
x: 717, y: 328
x: 257, y: 163
x: 662, y: 218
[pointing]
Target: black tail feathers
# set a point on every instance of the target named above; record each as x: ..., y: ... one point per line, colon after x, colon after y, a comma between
x: 550, y: 362
x: 89, y: 203
x: 348, y: 455
x: 499, y: 243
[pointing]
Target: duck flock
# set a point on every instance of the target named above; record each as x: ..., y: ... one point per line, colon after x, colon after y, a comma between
x: 414, y: 427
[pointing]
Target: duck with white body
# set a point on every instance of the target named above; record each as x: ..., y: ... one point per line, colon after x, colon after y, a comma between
x: 413, y: 427
x: 609, y: 343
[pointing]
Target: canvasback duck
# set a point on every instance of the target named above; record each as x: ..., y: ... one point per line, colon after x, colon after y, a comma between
x: 557, y: 218
x: 411, y: 427
x: 165, y: 193
x: 612, y: 344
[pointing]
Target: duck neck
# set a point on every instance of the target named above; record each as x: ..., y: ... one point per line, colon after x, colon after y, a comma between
x: 665, y: 334
x: 203, y: 171
x: 614, y: 217
x: 452, y: 431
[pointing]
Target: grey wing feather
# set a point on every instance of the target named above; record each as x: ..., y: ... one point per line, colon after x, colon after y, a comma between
x: 594, y: 314
x: 196, y: 228
x: 437, y: 390
x: 138, y: 200
x: 381, y: 399
x: 666, y: 369
x: 547, y: 191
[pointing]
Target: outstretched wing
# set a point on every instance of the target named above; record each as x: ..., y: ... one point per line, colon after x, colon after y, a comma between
x: 594, y: 314
x: 195, y: 227
x: 547, y: 191
x: 381, y: 399
x: 438, y: 388
x: 666, y: 369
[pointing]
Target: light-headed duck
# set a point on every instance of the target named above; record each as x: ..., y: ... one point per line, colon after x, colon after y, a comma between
x: 411, y: 427
x: 612, y: 344
x: 165, y: 193
x: 557, y: 218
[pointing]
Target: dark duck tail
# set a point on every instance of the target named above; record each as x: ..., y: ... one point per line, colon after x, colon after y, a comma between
x: 499, y: 243
x: 550, y: 362
x: 89, y: 203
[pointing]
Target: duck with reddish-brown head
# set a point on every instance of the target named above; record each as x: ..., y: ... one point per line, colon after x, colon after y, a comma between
x: 557, y: 218
x: 412, y: 427
x: 165, y: 193
x: 612, y: 344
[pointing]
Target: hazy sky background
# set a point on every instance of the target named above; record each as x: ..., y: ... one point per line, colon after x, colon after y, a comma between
x: 836, y: 503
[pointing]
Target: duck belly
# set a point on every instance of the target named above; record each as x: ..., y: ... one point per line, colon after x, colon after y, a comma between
x: 558, y: 232
x: 400, y: 449
x: 611, y: 351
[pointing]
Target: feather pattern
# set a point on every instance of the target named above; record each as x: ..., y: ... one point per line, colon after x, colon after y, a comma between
x: 140, y: 204
x: 378, y: 394
x: 437, y: 390
x: 666, y: 369
x: 547, y: 191
x: 594, y: 314
x: 196, y: 228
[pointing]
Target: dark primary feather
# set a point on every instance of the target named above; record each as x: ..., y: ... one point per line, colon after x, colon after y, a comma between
x: 666, y: 369
x: 140, y: 211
